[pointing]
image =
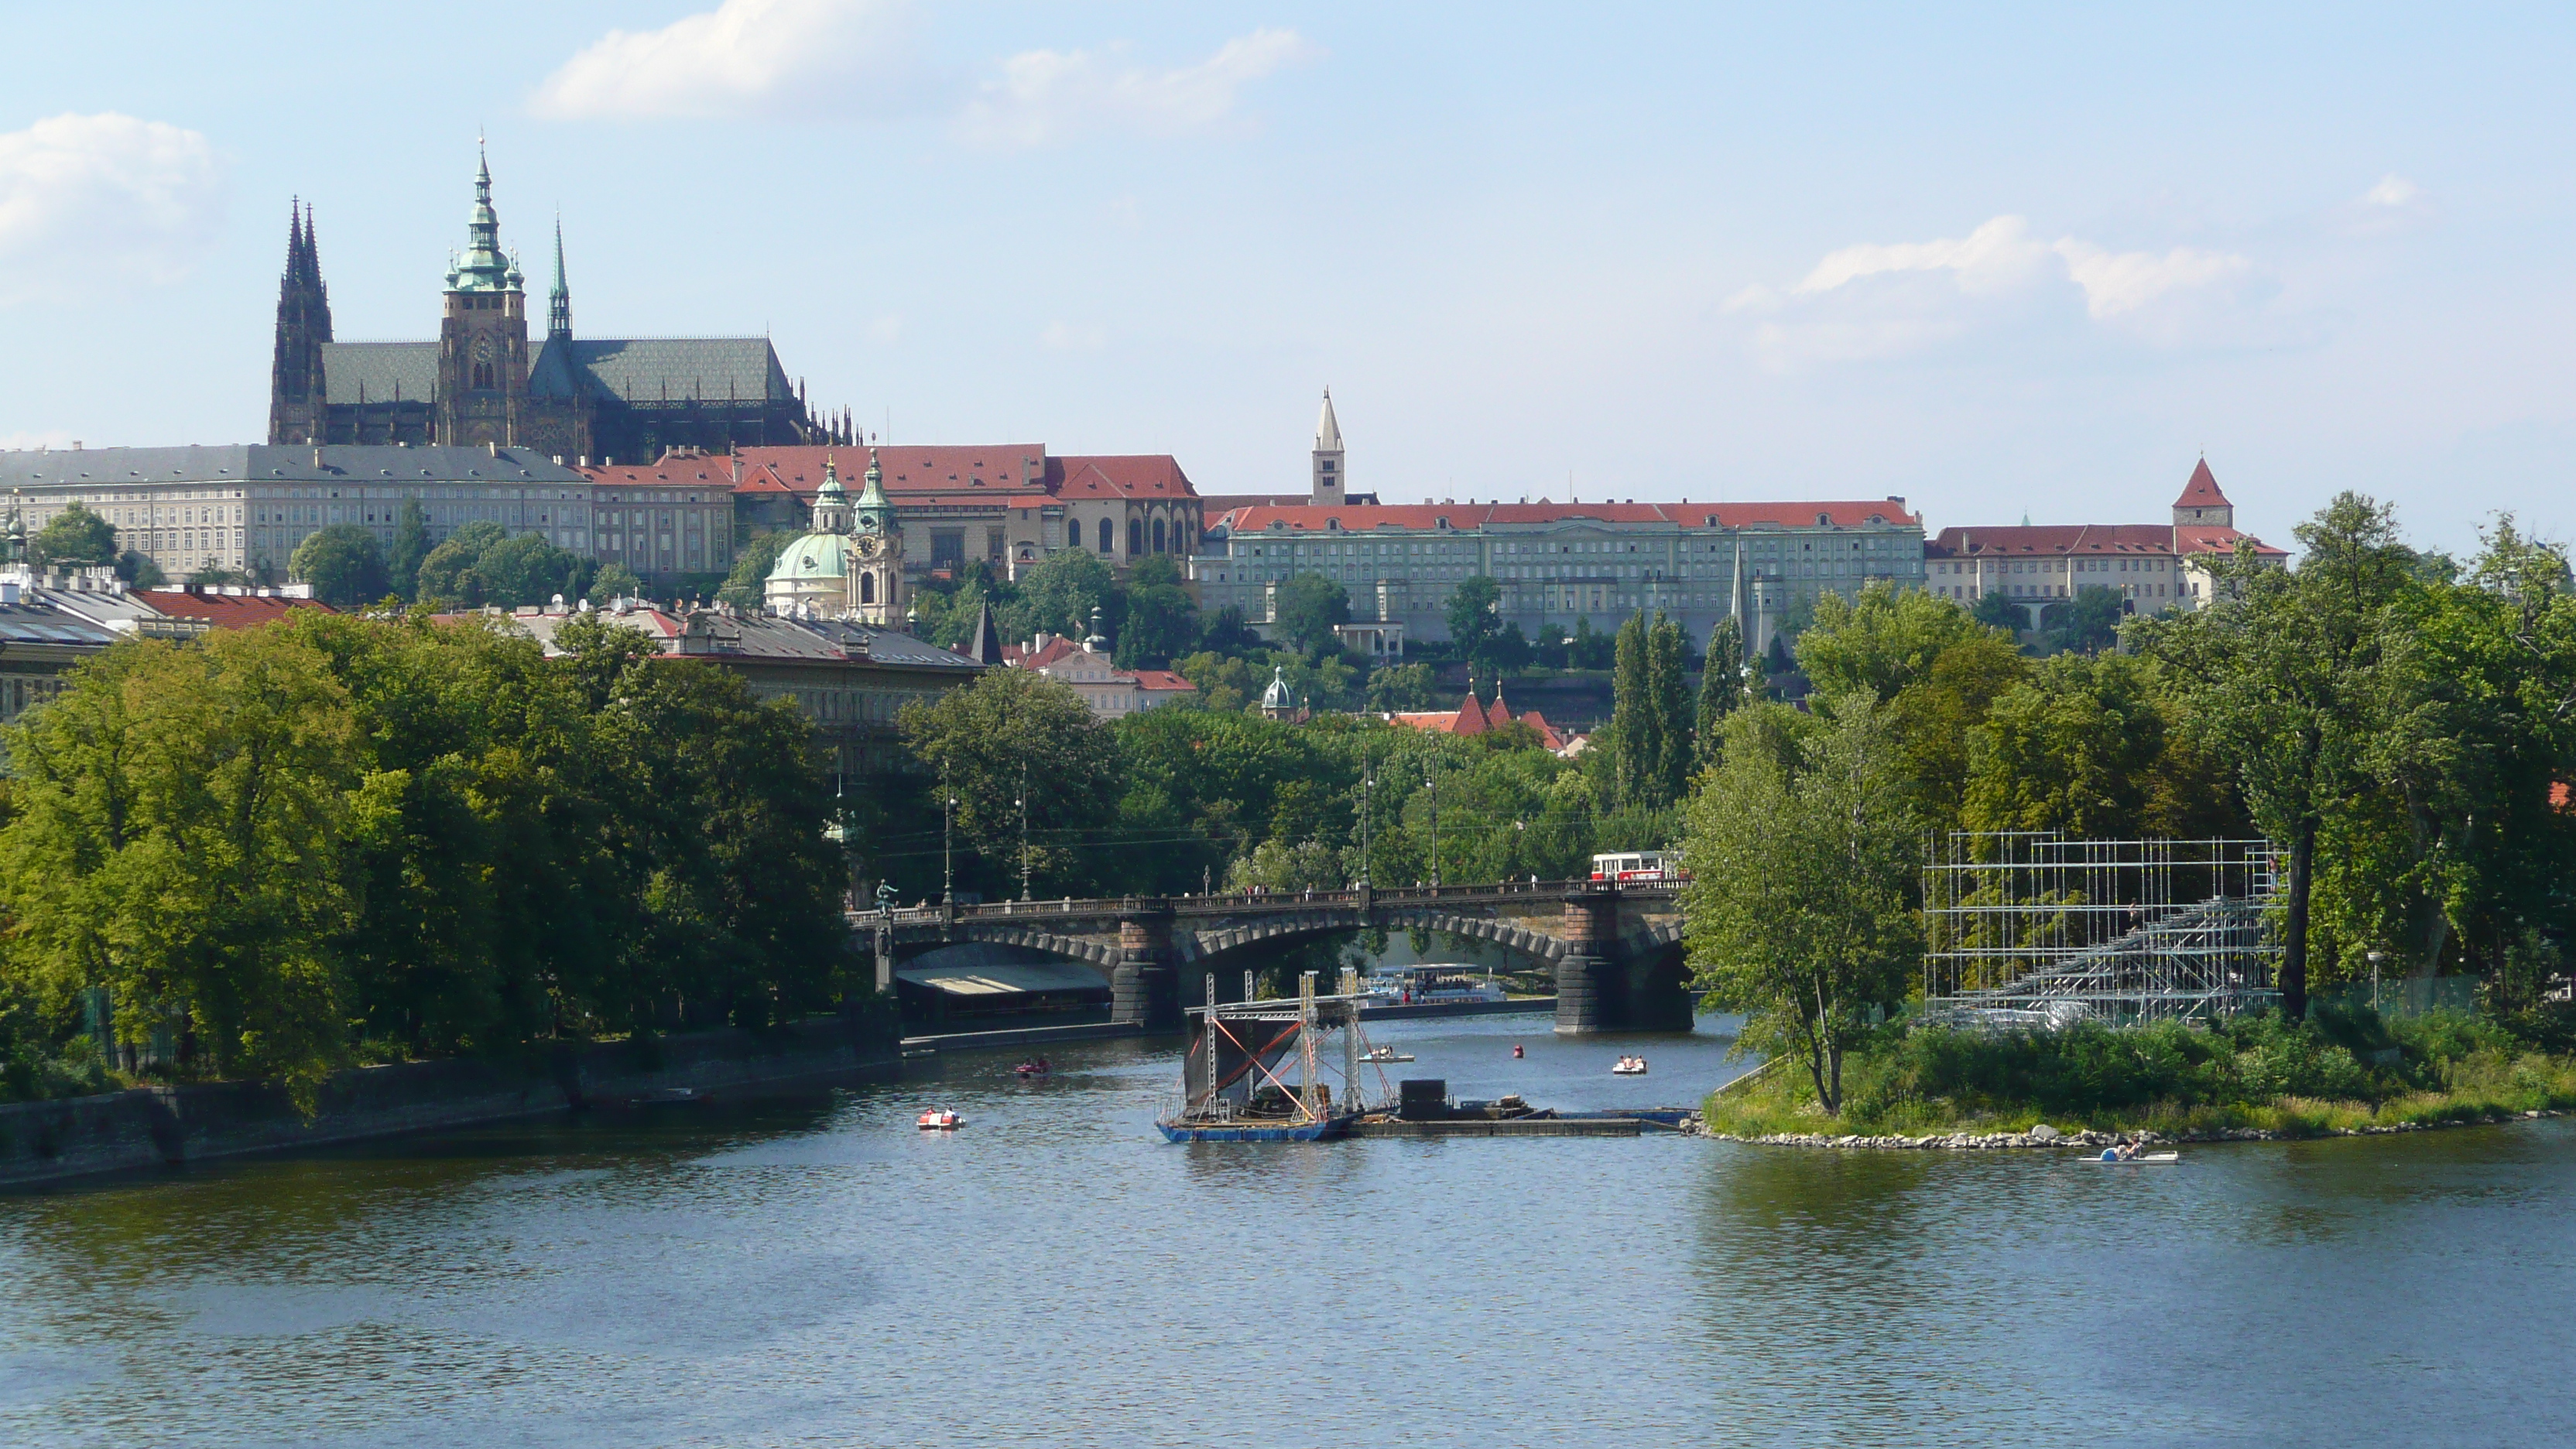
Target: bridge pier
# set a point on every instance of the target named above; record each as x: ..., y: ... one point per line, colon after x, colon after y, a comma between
x: 1144, y: 987
x: 1603, y: 987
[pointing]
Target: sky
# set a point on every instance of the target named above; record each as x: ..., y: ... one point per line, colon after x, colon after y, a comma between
x: 2003, y: 262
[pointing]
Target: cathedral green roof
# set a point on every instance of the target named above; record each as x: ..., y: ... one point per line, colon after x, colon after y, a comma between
x: 814, y: 556
x: 639, y: 371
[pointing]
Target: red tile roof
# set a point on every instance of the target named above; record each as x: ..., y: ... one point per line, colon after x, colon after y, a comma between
x: 1130, y: 475
x: 2090, y: 540
x: 1355, y: 518
x: 2202, y: 490
x: 1152, y: 679
x: 224, y: 611
x: 978, y: 470
x: 712, y: 473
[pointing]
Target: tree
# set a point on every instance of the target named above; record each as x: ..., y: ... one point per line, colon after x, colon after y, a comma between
x: 745, y: 587
x: 1879, y: 642
x: 343, y: 564
x: 2284, y: 675
x: 1669, y: 699
x: 1012, y: 730
x: 1721, y: 687
x: 1060, y: 595
x: 1474, y: 616
x: 411, y: 545
x: 139, y: 570
x: 1309, y: 606
x: 1802, y: 874
x: 1226, y: 632
x: 75, y: 538
x: 1997, y: 611
x: 447, y: 574
x: 526, y: 569
x: 1636, y: 727
x: 1161, y: 620
x: 2089, y: 622
x: 1396, y: 688
x: 617, y: 581
x: 2073, y: 749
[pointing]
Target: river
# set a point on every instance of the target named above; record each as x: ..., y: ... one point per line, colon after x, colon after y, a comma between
x: 821, y: 1273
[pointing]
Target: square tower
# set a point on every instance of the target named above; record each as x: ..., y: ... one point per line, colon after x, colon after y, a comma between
x: 1329, y: 488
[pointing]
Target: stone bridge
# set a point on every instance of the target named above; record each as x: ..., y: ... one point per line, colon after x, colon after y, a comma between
x: 1615, y: 949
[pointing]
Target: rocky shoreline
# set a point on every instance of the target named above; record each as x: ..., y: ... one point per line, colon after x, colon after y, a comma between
x: 2045, y: 1136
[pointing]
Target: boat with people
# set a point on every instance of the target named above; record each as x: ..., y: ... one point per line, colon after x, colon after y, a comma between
x: 1038, y: 1067
x: 1254, y: 1071
x: 1385, y: 1054
x: 2130, y: 1152
x: 1629, y: 1067
x: 939, y: 1119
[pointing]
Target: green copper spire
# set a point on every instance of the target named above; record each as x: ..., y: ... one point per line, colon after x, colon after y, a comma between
x: 483, y: 268
x: 874, y: 509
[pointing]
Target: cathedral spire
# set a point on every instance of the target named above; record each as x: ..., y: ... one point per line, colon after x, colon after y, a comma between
x: 484, y: 267
x: 559, y: 300
x: 296, y: 406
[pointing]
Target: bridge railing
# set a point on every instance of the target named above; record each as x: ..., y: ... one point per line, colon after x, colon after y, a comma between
x: 1256, y: 901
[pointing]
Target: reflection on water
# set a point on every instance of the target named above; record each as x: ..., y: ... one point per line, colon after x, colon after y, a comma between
x: 821, y: 1273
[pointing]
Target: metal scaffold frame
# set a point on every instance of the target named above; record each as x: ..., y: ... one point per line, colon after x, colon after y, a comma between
x: 2025, y: 928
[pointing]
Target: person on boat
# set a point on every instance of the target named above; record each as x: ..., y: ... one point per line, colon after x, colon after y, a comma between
x: 1516, y: 1051
x: 2127, y: 1150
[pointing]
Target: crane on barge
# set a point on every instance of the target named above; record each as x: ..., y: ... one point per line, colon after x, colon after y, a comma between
x: 1233, y: 1087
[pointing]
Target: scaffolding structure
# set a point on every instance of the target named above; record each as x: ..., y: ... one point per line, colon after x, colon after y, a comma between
x: 2025, y: 928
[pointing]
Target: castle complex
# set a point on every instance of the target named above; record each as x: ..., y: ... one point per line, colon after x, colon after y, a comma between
x: 484, y: 382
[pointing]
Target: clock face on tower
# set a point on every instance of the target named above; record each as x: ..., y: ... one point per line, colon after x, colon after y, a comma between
x: 483, y: 348
x: 867, y: 547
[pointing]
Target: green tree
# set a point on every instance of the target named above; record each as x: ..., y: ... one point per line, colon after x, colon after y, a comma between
x: 1012, y: 730
x: 343, y: 564
x: 2074, y: 749
x: 1474, y: 616
x: 447, y: 574
x: 2286, y: 673
x: 1721, y: 687
x: 1998, y: 611
x: 526, y: 569
x: 411, y: 545
x: 1669, y: 690
x: 75, y: 538
x: 617, y: 581
x: 2089, y: 622
x: 745, y: 586
x: 1396, y: 688
x: 139, y: 570
x: 1059, y: 596
x: 1880, y: 642
x: 1802, y: 877
x: 178, y: 818
x: 1161, y: 621
x: 1310, y: 605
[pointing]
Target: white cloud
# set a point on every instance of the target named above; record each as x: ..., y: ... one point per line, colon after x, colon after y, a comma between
x: 1061, y: 336
x: 2392, y: 190
x: 1045, y: 95
x: 745, y: 57
x: 1885, y: 299
x: 104, y: 201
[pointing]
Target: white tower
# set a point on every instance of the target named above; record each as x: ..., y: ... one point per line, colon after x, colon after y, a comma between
x: 1328, y: 456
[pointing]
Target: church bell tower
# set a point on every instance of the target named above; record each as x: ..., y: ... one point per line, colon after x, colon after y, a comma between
x: 297, y: 405
x: 1329, y: 479
x: 483, y: 336
x: 877, y: 593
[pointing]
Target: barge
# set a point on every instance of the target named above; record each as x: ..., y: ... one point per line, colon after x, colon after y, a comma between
x: 1255, y: 1069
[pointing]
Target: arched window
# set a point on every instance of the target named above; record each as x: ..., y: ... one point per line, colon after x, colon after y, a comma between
x: 867, y: 588
x: 1158, y: 535
x: 483, y: 375
x: 1108, y: 537
x: 1135, y: 536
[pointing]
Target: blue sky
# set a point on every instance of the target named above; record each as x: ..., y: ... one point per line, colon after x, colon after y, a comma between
x: 2002, y: 262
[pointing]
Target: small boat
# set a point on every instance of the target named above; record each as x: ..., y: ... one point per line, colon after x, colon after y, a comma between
x: 939, y: 1119
x: 669, y: 1097
x: 1032, y: 1069
x: 1629, y: 1067
x: 1385, y: 1054
x: 2143, y: 1159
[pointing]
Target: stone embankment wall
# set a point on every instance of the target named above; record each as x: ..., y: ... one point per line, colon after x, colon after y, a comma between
x: 150, y: 1126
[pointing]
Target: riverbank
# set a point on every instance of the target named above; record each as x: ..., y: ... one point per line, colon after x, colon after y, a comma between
x: 2251, y: 1080
x: 157, y: 1126
x: 2042, y: 1135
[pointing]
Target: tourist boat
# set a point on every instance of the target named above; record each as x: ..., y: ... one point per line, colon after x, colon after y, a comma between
x: 939, y: 1119
x: 2143, y: 1159
x: 1629, y: 1067
x: 1385, y: 1054
x: 1254, y: 1069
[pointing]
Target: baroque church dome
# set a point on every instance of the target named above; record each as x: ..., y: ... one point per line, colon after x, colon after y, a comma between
x: 851, y: 564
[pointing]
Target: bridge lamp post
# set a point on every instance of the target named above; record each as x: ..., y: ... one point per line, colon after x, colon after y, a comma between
x: 1368, y: 801
x: 947, y: 855
x: 2375, y: 958
x: 1023, y: 803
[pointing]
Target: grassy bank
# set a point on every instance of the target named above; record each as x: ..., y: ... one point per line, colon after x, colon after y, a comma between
x: 2333, y: 1073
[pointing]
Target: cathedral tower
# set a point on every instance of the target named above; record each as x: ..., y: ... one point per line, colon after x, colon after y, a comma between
x: 297, y: 407
x: 483, y: 336
x: 1328, y: 457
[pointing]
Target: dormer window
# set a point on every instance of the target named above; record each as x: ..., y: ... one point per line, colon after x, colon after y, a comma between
x: 1824, y: 520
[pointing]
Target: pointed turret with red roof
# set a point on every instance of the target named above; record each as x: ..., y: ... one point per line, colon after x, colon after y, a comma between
x: 2201, y: 502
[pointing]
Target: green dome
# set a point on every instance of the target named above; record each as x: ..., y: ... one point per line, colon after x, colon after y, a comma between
x: 814, y: 556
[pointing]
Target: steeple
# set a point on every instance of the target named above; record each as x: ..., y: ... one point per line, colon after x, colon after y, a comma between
x: 296, y: 405
x: 2202, y: 503
x: 1328, y: 474
x: 484, y: 268
x: 559, y: 300
x: 875, y: 511
x: 831, y: 503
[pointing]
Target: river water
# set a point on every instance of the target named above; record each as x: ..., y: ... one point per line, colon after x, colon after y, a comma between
x: 821, y: 1273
